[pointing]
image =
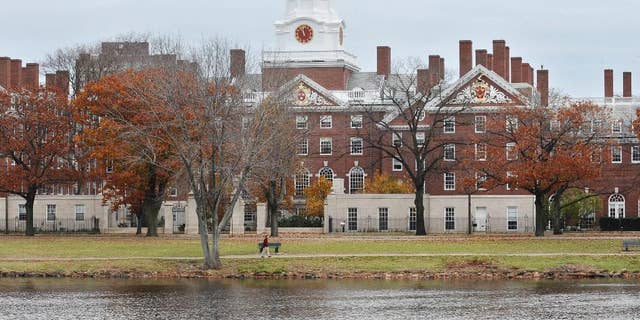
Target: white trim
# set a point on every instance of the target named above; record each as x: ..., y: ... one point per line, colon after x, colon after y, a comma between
x: 444, y: 179
x: 395, y: 161
x: 612, y: 154
x: 484, y: 124
x: 632, y: 154
x: 445, y: 219
x: 517, y: 222
x: 330, y: 121
x: 330, y: 141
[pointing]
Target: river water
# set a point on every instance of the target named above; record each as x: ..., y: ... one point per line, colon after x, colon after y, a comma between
x: 191, y: 299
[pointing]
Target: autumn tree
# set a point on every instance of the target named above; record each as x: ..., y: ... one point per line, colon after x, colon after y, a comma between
x: 316, y: 194
x: 545, y: 150
x: 34, y: 140
x: 384, y: 183
x: 413, y: 131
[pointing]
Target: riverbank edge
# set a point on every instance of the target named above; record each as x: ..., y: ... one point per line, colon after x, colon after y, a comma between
x: 566, y: 274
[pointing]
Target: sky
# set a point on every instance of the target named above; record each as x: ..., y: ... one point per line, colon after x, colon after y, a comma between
x: 575, y: 39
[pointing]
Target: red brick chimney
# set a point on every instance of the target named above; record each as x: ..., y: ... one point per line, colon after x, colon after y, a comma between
x: 543, y: 87
x: 5, y: 72
x: 384, y: 61
x: 424, y: 81
x: 499, y: 57
x: 434, y: 70
x: 526, y: 73
x: 481, y: 58
x: 16, y: 73
x: 516, y: 70
x: 50, y: 81
x: 507, y: 63
x: 608, y: 83
x: 238, y: 63
x: 32, y: 76
x: 531, y: 75
x: 442, y: 70
x: 62, y: 82
x: 490, y: 61
x: 466, y: 57
x: 627, y: 93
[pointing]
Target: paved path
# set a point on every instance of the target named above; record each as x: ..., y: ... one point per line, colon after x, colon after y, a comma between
x: 310, y: 256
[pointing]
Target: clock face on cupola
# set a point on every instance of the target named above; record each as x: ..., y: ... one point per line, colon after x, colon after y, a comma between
x: 304, y: 33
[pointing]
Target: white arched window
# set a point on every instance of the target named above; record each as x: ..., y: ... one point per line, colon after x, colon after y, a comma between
x: 326, y: 173
x: 356, y: 180
x: 616, y: 206
x: 302, y: 182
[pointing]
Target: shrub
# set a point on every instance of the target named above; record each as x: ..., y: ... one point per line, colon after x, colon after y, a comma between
x: 300, y: 222
x: 613, y: 224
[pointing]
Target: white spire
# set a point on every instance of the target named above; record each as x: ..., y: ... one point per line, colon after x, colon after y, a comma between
x: 323, y: 10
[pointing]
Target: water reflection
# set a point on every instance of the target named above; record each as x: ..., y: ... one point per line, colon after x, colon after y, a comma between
x: 184, y: 299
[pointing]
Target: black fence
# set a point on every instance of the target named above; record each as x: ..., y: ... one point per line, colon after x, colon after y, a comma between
x: 91, y: 225
x: 613, y: 224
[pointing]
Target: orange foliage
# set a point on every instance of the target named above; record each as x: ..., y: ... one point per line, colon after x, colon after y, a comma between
x: 316, y: 194
x: 383, y: 183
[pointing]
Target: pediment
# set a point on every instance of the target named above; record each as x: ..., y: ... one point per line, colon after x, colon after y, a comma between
x: 482, y: 91
x: 304, y: 92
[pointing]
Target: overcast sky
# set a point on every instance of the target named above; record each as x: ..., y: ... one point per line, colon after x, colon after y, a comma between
x: 574, y: 39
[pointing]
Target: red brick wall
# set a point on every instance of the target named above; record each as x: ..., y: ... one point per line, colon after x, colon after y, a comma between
x: 329, y: 78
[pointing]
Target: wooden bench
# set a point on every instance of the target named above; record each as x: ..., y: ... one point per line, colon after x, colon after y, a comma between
x: 630, y: 243
x: 275, y: 245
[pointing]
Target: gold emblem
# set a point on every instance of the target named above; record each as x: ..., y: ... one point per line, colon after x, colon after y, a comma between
x: 480, y: 90
x: 302, y: 94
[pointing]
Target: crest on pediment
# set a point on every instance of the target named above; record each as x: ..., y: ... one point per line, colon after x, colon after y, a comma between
x: 481, y: 92
x: 304, y: 96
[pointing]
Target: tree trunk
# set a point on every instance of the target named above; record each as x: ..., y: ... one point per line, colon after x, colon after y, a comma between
x: 419, y: 203
x: 556, y: 213
x: 216, y: 263
x: 272, y: 204
x: 151, y: 211
x: 30, y: 200
x: 139, y: 224
x: 204, y: 236
x: 469, y: 213
x: 541, y: 216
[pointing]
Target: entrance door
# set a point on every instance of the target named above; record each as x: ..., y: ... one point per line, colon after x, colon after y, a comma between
x: 480, y: 220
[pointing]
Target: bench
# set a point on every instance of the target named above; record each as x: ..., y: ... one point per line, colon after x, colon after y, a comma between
x: 274, y: 245
x: 630, y: 243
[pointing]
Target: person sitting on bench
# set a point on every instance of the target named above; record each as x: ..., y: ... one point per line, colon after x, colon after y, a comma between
x: 265, y: 247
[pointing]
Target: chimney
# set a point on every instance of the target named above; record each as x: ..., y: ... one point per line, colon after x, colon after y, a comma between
x: 424, y: 80
x: 434, y: 69
x: 466, y: 57
x: 32, y: 76
x: 490, y: 61
x: 627, y: 93
x: 238, y: 63
x: 499, y: 56
x: 507, y: 60
x: 531, y: 75
x: 481, y: 58
x: 543, y: 87
x: 5, y: 72
x: 516, y: 70
x: 384, y: 61
x: 442, y: 71
x: 16, y: 73
x: 50, y: 81
x: 62, y: 82
x: 608, y: 83
x: 526, y: 73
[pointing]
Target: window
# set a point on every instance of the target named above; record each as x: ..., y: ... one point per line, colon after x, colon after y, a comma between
x: 397, y: 165
x: 326, y: 146
x: 352, y: 219
x: 449, y: 152
x: 356, y: 180
x: 246, y: 123
x: 510, y: 177
x: 301, y: 183
x: 173, y: 192
x: 303, y: 147
x: 449, y: 181
x: 79, y: 212
x: 413, y: 219
x: 616, y: 206
x: 326, y: 122
x: 356, y: 122
x: 449, y: 219
x: 554, y: 125
x: 511, y: 124
x: 512, y: 218
x: 512, y: 154
x: 302, y: 122
x: 109, y: 166
x: 383, y: 219
x: 326, y: 173
x: 481, y: 152
x: 481, y: 180
x: 420, y: 139
x: 397, y: 139
x: 51, y: 212
x: 635, y: 154
x: 22, y: 212
x: 596, y: 156
x: 616, y: 126
x: 357, y: 146
x: 450, y: 125
x: 616, y: 154
x: 480, y: 124
x: 596, y: 126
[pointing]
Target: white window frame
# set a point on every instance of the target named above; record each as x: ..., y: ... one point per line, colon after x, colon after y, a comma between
x: 618, y: 207
x: 413, y: 219
x: 326, y: 122
x: 352, y: 219
x: 480, y: 120
x: 635, y: 154
x: 481, y: 155
x: 325, y: 141
x: 396, y: 165
x: 616, y: 126
x: 351, y: 146
x: 452, y: 148
x: 303, y: 147
x: 357, y: 121
x: 508, y: 185
x: 396, y: 139
x: 173, y: 192
x: 481, y: 178
x: 449, y: 125
x: 614, y: 150
x: 82, y: 212
x: 510, y: 220
x: 383, y: 215
x: 22, y: 211
x: 420, y: 139
x: 323, y: 173
x: 352, y: 181
x: 452, y: 185
x: 302, y: 122
x: 511, y: 124
x: 510, y: 151
x: 301, y: 181
x: 452, y: 211
x: 51, y: 212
